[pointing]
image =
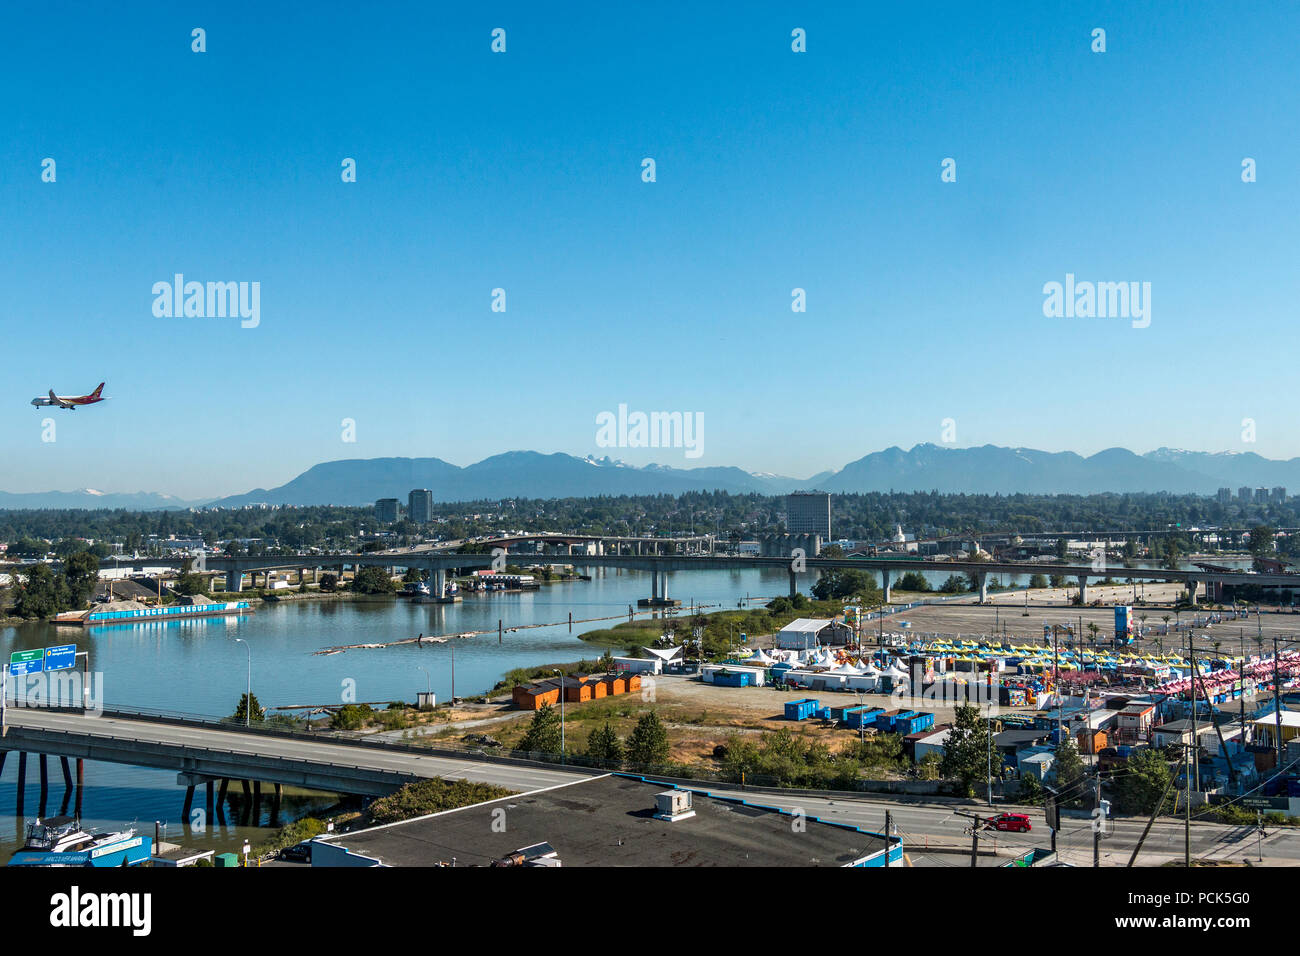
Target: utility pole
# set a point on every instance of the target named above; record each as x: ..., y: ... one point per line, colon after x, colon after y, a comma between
x: 889, y: 832
x: 1196, y: 757
x: 1187, y: 812
x: 1277, y: 701
x: 1096, y: 825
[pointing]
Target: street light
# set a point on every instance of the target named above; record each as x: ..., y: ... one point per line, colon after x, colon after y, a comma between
x: 248, y: 694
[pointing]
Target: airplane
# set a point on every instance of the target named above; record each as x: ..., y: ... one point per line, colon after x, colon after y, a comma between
x: 71, y: 401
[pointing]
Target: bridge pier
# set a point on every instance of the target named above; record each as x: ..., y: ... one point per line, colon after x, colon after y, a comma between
x: 1191, y: 591
x: 886, y: 586
x: 45, y: 785
x: 189, y: 802
x: 22, y: 782
x: 794, y: 584
x: 234, y: 580
x: 983, y: 579
x: 1083, y: 589
x: 208, y: 802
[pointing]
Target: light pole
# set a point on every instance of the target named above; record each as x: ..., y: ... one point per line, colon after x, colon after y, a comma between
x: 428, y: 685
x: 248, y: 694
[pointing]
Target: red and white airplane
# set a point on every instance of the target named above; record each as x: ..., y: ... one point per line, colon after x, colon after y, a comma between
x: 71, y: 401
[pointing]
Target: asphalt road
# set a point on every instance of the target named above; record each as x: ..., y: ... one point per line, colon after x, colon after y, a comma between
x: 505, y: 775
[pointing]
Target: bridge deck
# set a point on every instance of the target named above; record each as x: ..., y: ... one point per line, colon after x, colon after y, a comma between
x: 251, y: 755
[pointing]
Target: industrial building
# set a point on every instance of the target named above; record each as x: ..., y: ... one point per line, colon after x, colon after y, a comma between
x: 611, y: 820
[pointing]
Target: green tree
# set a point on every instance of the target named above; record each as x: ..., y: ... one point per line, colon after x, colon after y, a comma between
x: 648, y: 743
x: 373, y: 581
x: 543, y: 733
x: 604, y: 746
x: 1037, y: 581
x: 351, y: 717
x: 836, y: 584
x: 42, y: 593
x: 913, y: 581
x: 1069, y: 772
x: 187, y: 582
x: 966, y: 752
x: 81, y: 571
x: 1143, y: 780
x: 955, y: 584
x: 329, y: 583
x: 257, y: 715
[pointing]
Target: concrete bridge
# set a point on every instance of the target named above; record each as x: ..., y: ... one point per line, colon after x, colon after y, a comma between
x: 205, y: 752
x: 438, y: 564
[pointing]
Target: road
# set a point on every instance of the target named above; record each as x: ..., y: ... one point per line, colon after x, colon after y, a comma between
x: 920, y: 824
x: 325, y: 752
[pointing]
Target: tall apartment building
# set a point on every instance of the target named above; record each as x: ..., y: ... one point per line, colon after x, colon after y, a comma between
x: 386, y: 510
x: 1244, y: 495
x: 1279, y: 495
x: 1225, y: 496
x: 419, y: 506
x: 808, y: 513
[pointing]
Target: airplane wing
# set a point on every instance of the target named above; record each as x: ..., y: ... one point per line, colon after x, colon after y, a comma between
x: 54, y: 400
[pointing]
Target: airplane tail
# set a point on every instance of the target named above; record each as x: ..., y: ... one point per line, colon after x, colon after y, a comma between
x: 99, y: 388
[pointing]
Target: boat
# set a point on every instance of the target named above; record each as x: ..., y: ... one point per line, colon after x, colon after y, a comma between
x: 61, y: 841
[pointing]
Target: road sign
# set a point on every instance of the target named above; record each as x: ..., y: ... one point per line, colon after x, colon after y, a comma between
x: 61, y: 656
x: 22, y: 657
x: 26, y: 667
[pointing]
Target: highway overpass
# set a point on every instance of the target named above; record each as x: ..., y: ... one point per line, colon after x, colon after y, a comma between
x: 200, y: 751
x: 438, y: 564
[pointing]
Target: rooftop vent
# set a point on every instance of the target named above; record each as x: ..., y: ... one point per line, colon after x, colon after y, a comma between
x: 673, y: 805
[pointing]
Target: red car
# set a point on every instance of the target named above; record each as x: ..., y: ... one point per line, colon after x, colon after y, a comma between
x: 1011, y: 822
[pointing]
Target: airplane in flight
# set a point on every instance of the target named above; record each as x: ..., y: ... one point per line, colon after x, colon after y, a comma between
x: 71, y: 401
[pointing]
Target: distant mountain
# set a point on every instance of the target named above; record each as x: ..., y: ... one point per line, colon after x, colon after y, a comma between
x: 90, y: 499
x: 988, y: 469
x: 513, y: 474
x: 992, y: 469
x: 1231, y: 469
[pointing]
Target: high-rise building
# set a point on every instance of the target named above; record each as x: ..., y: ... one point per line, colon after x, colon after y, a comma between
x: 386, y: 510
x: 1261, y: 496
x: 1225, y: 495
x: 808, y: 513
x: 1244, y: 495
x: 419, y: 506
x: 1279, y: 495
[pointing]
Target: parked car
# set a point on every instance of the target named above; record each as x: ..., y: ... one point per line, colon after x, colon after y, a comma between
x: 298, y: 853
x: 1010, y: 822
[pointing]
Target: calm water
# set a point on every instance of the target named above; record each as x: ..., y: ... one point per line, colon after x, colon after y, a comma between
x: 197, y: 667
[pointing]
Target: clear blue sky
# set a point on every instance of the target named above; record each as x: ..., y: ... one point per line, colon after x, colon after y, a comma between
x: 522, y: 171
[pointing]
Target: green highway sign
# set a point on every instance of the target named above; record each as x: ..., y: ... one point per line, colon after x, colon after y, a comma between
x: 23, y: 657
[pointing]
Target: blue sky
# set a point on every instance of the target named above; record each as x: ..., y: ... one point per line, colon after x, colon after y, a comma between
x: 522, y: 171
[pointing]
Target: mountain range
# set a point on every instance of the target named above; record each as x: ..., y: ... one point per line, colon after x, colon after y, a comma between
x: 987, y: 469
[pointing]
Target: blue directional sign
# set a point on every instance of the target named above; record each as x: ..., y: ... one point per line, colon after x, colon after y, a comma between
x: 60, y: 657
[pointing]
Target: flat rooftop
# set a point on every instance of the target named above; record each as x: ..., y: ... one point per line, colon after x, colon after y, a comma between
x: 609, y: 821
